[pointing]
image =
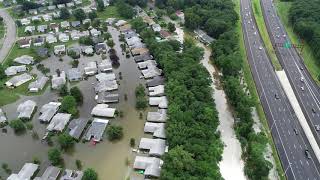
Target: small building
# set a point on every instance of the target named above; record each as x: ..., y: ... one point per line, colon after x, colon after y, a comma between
x: 164, y: 34
x: 96, y: 129
x: 110, y: 21
x: 51, y: 8
x: 133, y: 40
x: 151, y: 71
x: 58, y: 80
x: 42, y: 52
x: 91, y: 68
x: 63, y: 37
x: 146, y: 64
x: 51, y: 173
x: 54, y: 27
x: 105, y: 66
x: 33, y: 11
x: 107, y: 97
x: 103, y: 110
x: 120, y: 23
x: 70, y: 4
x: 97, y: 39
x: 87, y: 50
x: 156, y: 81
x: 42, y: 28
x: 157, y: 129
x: 58, y: 122
x: 13, y: 70
x: 38, y: 85
x: 47, y: 111
x: 141, y: 58
x: 3, y: 117
x: 75, y: 24
x: 77, y: 126
x: 139, y: 51
x: 105, y: 77
x: 155, y: 147
x: 18, y: 80
x: 60, y: 6
x: 25, y: 173
x: 47, y: 17
x: 159, y: 117
x: 24, y: 43
x: 74, y: 74
x: 106, y: 86
x: 125, y: 28
x: 161, y: 102
x: 59, y: 49
x: 29, y: 29
x: 26, y: 109
x: 156, y: 27
x: 156, y: 90
x: 203, y: 37
x: 25, y: 21
x: 65, y: 24
x: 75, y: 34
x: 95, y: 32
x: 51, y: 39
x: 100, y: 48
x: 71, y: 175
x: 35, y: 18
x: 24, y: 59
x: 38, y: 41
x: 150, y: 165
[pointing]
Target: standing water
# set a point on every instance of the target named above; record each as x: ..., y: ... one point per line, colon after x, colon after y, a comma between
x: 231, y: 166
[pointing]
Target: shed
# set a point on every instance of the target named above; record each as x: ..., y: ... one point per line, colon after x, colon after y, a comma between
x: 74, y: 74
x: 106, y: 77
x: 159, y: 116
x: 103, y: 110
x: 18, y: 80
x: 96, y: 129
x: 71, y: 175
x: 91, y: 68
x: 77, y: 126
x: 70, y: 4
x: 51, y: 173
x: 156, y: 90
x: 156, y: 27
x: 38, y: 85
x: 156, y: 147
x: 3, y: 117
x: 106, y: 86
x: 47, y: 111
x: 26, y: 109
x: 161, y: 102
x: 105, y: 65
x: 25, y: 173
x: 25, y: 59
x: 58, y: 122
x: 13, y: 70
x: 157, y: 129
x: 150, y: 165
x: 58, y: 80
x: 107, y: 97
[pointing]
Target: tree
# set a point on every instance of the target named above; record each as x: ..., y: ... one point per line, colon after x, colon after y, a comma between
x: 171, y: 27
x: 64, y: 13
x: 100, y: 5
x: 69, y: 105
x: 77, y: 94
x: 92, y: 15
x: 17, y: 125
x: 86, y: 40
x: 138, y: 24
x: 114, y: 132
x: 79, y: 14
x: 110, y: 43
x: 64, y: 91
x: 54, y: 156
x: 65, y: 141
x: 125, y: 10
x: 96, y: 23
x: 107, y: 36
x: 141, y: 101
x: 90, y: 174
x: 2, y: 72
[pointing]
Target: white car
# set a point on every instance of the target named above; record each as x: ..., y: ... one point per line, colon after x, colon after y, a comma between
x: 260, y: 47
x: 302, y: 79
x: 302, y: 88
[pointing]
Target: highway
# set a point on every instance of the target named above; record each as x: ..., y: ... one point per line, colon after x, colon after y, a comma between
x: 306, y: 90
x: 281, y: 118
x: 10, y: 34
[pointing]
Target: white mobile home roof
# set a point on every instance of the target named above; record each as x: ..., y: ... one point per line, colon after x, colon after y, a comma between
x: 58, y: 122
x: 151, y: 165
x: 71, y: 175
x: 103, y: 110
x: 39, y: 84
x: 105, y: 65
x: 18, y: 80
x: 3, y: 117
x: 161, y: 102
x: 96, y: 129
x: 159, y: 116
x: 47, y: 111
x: 91, y: 68
x: 74, y: 74
x: 158, y: 129
x: 151, y: 72
x: 51, y: 173
x: 105, y: 77
x: 146, y: 64
x: 106, y: 86
x: 156, y: 90
x: 26, y: 109
x: 156, y: 147
x: 56, y: 81
x: 25, y: 59
x: 25, y: 173
x: 13, y: 70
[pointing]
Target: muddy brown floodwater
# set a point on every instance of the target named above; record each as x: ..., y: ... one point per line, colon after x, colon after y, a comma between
x: 109, y: 159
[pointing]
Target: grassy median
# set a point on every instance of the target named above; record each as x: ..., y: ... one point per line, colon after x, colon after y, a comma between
x: 252, y: 88
x: 264, y: 33
x: 309, y: 60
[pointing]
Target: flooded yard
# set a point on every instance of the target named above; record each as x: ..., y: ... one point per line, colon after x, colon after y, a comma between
x: 109, y: 159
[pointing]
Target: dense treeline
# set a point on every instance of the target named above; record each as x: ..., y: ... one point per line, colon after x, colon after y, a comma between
x: 195, y: 146
x: 304, y: 16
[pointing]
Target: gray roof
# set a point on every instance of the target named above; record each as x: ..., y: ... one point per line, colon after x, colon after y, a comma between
x: 26, y: 109
x: 100, y: 47
x: 158, y: 129
x: 107, y: 97
x: 203, y: 36
x: 146, y: 64
x: 156, y: 90
x: 103, y: 110
x: 105, y: 65
x: 74, y: 74
x: 106, y: 86
x: 39, y: 84
x: 159, y: 116
x: 143, y: 57
x: 77, y: 126
x: 51, y: 173
x: 13, y: 70
x: 150, y: 165
x: 75, y: 23
x: 57, y: 82
x: 91, y: 68
x: 151, y: 71
x: 47, y: 111
x: 96, y: 129
x: 25, y: 59
x: 25, y: 173
x: 161, y: 102
x: 71, y: 175
x: 105, y: 77
x: 18, y: 80
x: 156, y: 147
x: 3, y: 117
x: 158, y: 80
x: 58, y: 122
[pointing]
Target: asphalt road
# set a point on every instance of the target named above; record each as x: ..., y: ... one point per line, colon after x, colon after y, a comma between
x: 10, y: 35
x: 309, y: 96
x: 280, y: 115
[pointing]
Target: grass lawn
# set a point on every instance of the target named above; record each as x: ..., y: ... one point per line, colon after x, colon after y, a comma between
x: 252, y: 88
x: 309, y: 60
x: 264, y: 33
x: 110, y: 11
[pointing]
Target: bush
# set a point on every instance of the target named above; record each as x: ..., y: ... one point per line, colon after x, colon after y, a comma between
x: 114, y: 132
x: 132, y: 142
x: 110, y: 43
x: 77, y: 94
x: 63, y: 91
x: 17, y: 125
x: 141, y: 100
x: 86, y: 40
x: 69, y: 105
x: 54, y: 156
x: 90, y: 174
x: 65, y: 141
x: 79, y: 164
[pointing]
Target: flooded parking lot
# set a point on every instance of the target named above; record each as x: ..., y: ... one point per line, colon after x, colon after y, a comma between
x: 109, y: 159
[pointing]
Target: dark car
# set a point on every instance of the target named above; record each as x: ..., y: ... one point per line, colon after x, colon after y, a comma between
x: 307, y: 153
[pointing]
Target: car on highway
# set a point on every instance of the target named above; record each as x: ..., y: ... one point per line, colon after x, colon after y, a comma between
x: 301, y: 68
x: 302, y: 88
x: 317, y: 127
x: 307, y: 153
x: 296, y: 131
x: 313, y: 110
x: 302, y: 79
x: 260, y: 47
x: 276, y: 96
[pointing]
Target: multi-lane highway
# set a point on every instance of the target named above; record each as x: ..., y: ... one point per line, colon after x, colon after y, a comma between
x: 286, y: 131
x: 305, y: 89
